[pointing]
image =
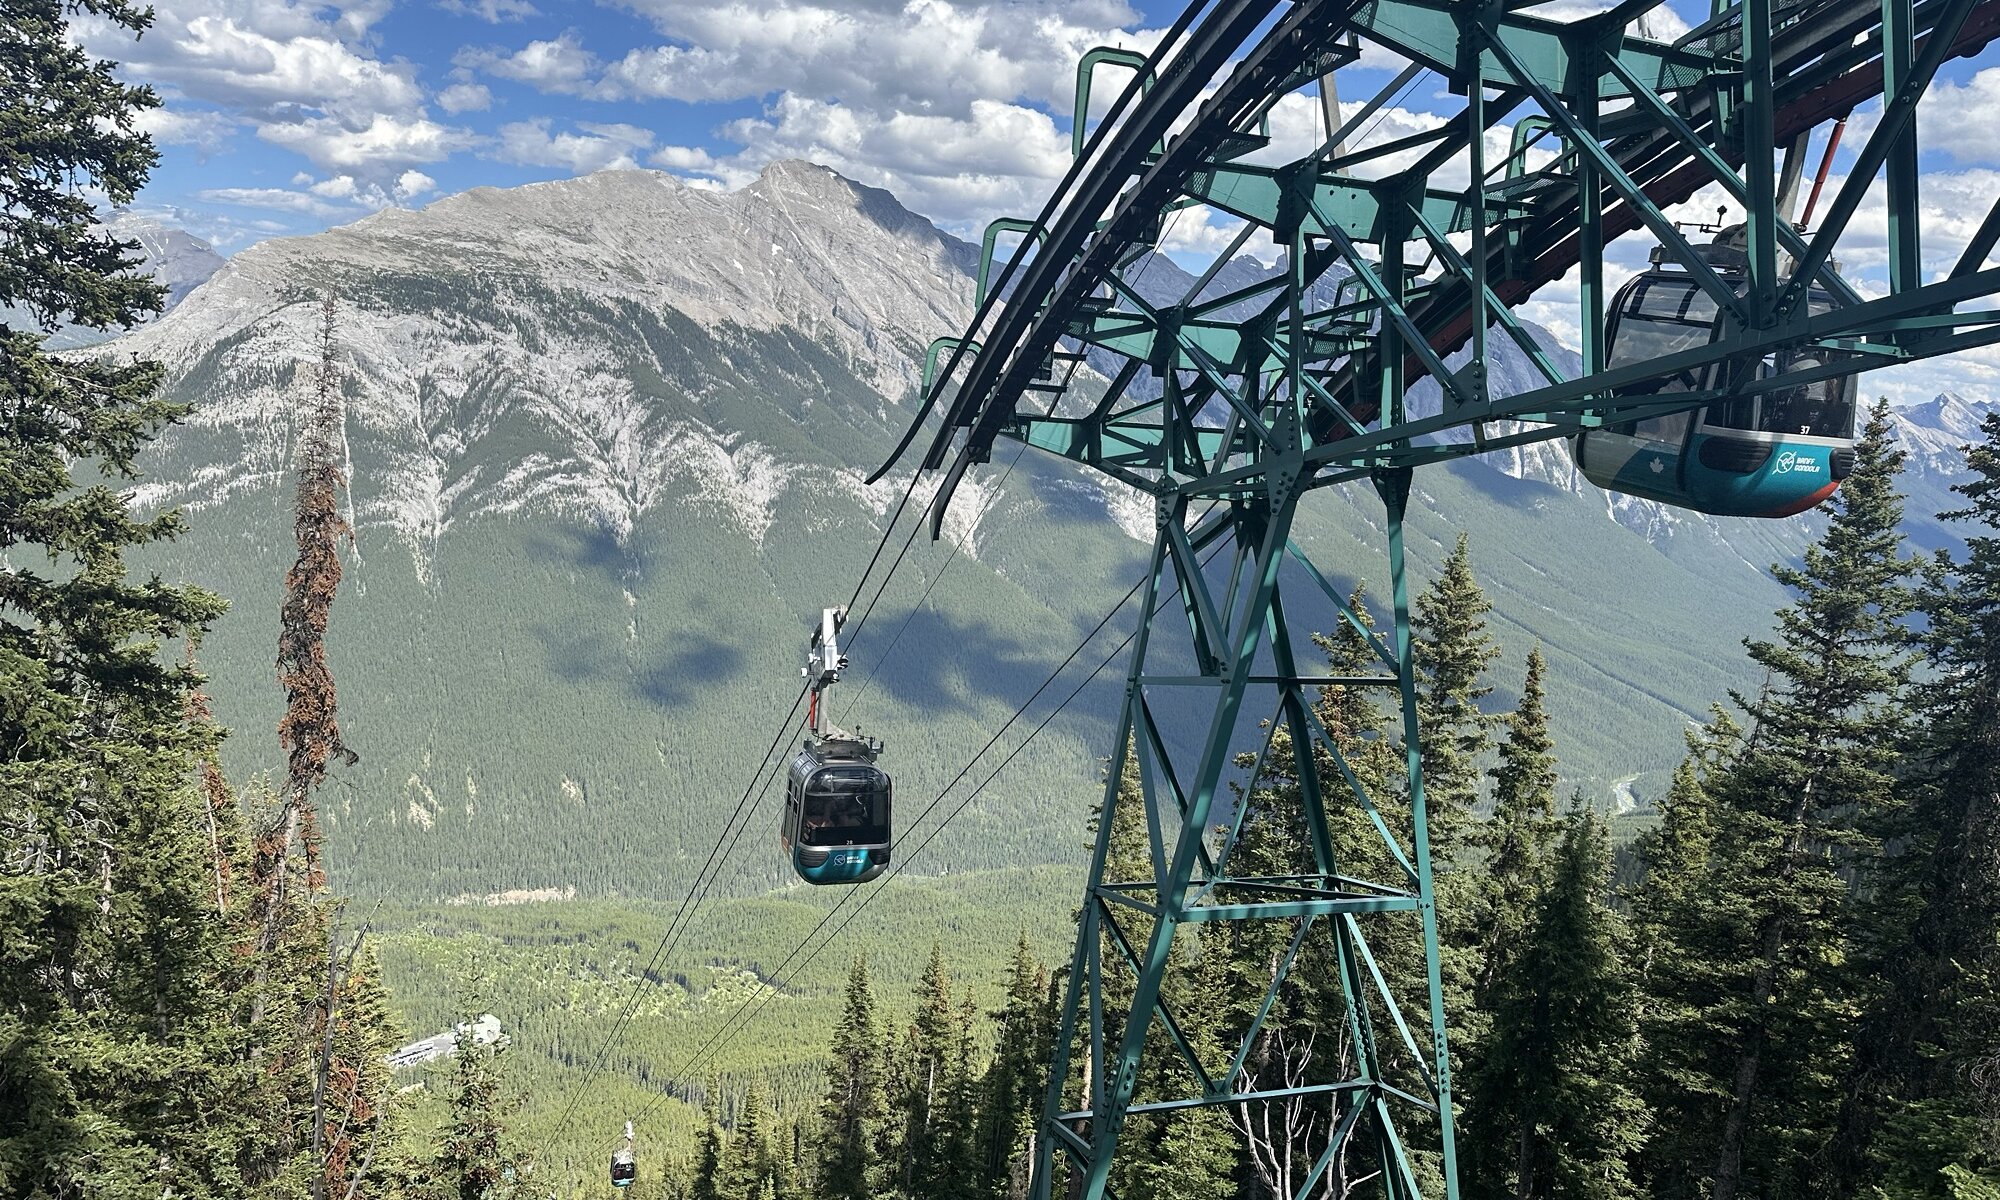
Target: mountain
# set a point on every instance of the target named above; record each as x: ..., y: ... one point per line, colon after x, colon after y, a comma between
x: 180, y: 261
x: 606, y: 440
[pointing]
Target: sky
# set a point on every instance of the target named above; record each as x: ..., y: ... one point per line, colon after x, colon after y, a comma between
x: 286, y: 117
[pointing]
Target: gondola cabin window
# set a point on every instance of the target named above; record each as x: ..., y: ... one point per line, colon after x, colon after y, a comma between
x: 845, y: 806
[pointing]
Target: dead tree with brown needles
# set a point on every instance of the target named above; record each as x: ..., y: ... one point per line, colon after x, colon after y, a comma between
x: 310, y: 730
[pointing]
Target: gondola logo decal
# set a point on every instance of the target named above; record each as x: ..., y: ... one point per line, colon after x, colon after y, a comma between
x: 1786, y: 461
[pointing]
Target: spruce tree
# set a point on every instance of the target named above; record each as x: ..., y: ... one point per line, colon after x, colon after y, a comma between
x: 1517, y: 840
x: 1550, y: 1115
x: 1678, y: 998
x: 472, y: 1164
x: 960, y: 1169
x: 747, y: 1167
x: 120, y: 1073
x: 922, y: 1107
x: 1917, y: 1121
x: 1191, y: 1153
x: 358, y: 1123
x: 309, y: 733
x: 1761, y: 976
x: 851, y: 1115
x: 1452, y: 648
x: 1010, y: 1107
x: 1304, y: 1039
x: 711, y: 1148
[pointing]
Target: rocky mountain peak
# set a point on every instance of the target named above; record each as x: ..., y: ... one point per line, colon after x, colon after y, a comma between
x: 180, y: 261
x: 1949, y: 412
x: 1934, y: 434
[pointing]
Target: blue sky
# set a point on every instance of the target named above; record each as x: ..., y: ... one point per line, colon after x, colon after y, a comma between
x: 286, y: 117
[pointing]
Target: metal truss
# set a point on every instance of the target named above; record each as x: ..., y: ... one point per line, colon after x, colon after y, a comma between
x: 1560, y: 137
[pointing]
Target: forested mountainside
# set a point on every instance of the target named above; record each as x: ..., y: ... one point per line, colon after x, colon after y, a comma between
x: 605, y: 440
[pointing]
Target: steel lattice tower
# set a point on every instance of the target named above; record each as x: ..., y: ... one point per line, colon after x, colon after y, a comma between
x: 1229, y: 406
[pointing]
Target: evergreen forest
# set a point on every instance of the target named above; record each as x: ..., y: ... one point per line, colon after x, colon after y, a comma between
x: 1786, y: 987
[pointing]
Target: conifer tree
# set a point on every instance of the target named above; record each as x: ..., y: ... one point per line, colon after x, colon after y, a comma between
x: 747, y: 1167
x: 310, y: 732
x: 1452, y: 649
x: 1763, y: 963
x: 1550, y: 1115
x: 959, y: 1171
x: 1304, y: 1040
x: 120, y: 1075
x: 1679, y: 999
x: 358, y: 1122
x: 1010, y: 1108
x: 1675, y: 852
x: 1517, y: 840
x: 1128, y: 859
x: 851, y: 1115
x: 1192, y: 1153
x: 1917, y: 1121
x: 473, y: 1164
x: 930, y: 1051
x: 711, y: 1148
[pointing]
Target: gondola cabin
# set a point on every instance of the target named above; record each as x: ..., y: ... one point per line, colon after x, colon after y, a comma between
x: 624, y: 1169
x: 1773, y: 453
x: 836, y: 825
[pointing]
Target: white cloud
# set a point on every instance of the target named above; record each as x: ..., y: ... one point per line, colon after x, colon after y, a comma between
x: 1660, y: 24
x: 683, y: 158
x: 930, y: 57
x: 275, y: 198
x: 413, y: 183
x: 336, y: 195
x: 558, y: 64
x: 1951, y: 204
x: 999, y: 159
x: 596, y: 148
x: 1971, y: 131
x: 215, y: 57
x: 1205, y: 234
x: 465, y: 97
x: 308, y: 76
x: 205, y: 130
x: 494, y: 12
x: 382, y: 145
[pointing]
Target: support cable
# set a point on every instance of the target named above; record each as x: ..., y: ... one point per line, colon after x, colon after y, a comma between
x: 718, y: 855
x: 743, y: 1014
x: 669, y: 940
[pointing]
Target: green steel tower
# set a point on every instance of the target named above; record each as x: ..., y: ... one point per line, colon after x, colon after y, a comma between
x: 1405, y: 252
